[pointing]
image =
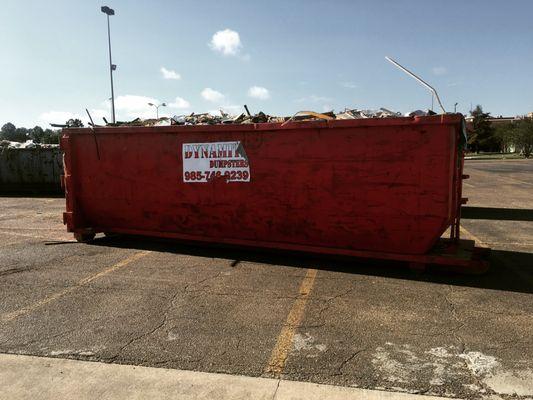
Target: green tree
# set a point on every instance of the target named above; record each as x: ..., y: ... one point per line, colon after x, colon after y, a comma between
x: 37, y: 134
x: 8, y: 130
x: 51, y: 136
x: 505, y: 134
x: 11, y: 132
x: 21, y: 135
x: 524, y: 136
x: 482, y: 137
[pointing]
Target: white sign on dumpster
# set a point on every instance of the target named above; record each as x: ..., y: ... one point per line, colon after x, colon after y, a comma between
x: 204, y: 162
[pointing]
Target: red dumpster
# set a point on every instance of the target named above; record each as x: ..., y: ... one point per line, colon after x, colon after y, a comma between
x: 386, y: 188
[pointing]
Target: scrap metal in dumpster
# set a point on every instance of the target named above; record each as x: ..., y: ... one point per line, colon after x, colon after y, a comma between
x: 362, y: 185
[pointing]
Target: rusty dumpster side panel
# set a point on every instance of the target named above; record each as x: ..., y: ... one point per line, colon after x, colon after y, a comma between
x: 30, y: 170
x: 383, y: 185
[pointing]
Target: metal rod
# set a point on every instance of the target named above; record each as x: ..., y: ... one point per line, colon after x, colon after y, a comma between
x: 111, y: 70
x: 94, y: 135
x: 91, y: 118
x: 427, y: 85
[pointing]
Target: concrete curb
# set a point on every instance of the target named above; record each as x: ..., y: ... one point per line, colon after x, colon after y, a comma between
x: 29, y: 377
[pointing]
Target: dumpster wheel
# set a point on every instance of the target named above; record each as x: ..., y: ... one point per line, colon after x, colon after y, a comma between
x: 84, y: 237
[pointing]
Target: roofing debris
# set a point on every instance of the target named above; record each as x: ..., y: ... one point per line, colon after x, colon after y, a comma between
x: 71, y: 123
x: 224, y: 118
x: 28, y: 144
x: 163, y: 121
x: 358, y: 114
x: 247, y: 118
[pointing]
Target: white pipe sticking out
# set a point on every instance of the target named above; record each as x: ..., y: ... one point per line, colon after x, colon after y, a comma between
x: 427, y: 85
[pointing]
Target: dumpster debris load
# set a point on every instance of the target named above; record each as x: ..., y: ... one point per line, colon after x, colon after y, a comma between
x: 71, y: 123
x: 355, y: 114
x: 28, y: 144
x: 246, y: 118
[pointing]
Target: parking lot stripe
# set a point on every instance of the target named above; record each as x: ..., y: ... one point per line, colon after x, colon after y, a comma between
x: 473, y: 237
x: 283, y: 346
x: 32, y: 307
x: 523, y: 275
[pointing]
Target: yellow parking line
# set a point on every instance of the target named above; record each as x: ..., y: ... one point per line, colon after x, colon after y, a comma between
x: 283, y: 346
x: 473, y: 237
x: 523, y: 275
x: 32, y: 307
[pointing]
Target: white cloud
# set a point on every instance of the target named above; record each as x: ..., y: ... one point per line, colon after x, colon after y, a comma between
x: 349, y: 85
x: 132, y: 103
x: 228, y: 109
x: 170, y: 74
x: 180, y: 103
x: 439, y: 70
x: 258, y: 92
x: 98, y: 115
x: 127, y: 107
x: 227, y: 42
x: 131, y: 106
x: 232, y: 109
x: 212, y: 95
x: 57, y: 117
x: 60, y: 117
x: 314, y: 99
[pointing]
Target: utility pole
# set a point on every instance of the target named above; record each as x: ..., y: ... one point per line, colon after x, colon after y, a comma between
x: 109, y: 11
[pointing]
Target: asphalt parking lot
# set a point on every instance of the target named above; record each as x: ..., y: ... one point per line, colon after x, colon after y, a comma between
x: 373, y: 325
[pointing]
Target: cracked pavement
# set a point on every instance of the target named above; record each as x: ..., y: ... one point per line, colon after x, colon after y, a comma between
x: 369, y: 324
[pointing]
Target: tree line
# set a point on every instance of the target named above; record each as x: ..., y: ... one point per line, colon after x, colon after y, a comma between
x: 39, y: 135
x: 511, y: 137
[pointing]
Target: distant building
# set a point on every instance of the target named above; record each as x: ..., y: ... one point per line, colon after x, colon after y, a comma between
x: 493, y: 120
x: 496, y: 120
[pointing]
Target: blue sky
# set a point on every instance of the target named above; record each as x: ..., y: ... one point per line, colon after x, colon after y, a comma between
x: 276, y: 56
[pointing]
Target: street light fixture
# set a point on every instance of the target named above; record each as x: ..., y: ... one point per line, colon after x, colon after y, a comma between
x: 157, y: 108
x: 109, y: 11
x: 455, y: 107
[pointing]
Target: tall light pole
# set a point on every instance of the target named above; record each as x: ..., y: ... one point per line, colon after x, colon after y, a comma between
x: 455, y: 107
x: 157, y: 107
x: 109, y: 11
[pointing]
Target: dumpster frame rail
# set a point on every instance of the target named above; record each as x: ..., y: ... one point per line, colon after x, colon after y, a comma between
x: 452, y: 253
